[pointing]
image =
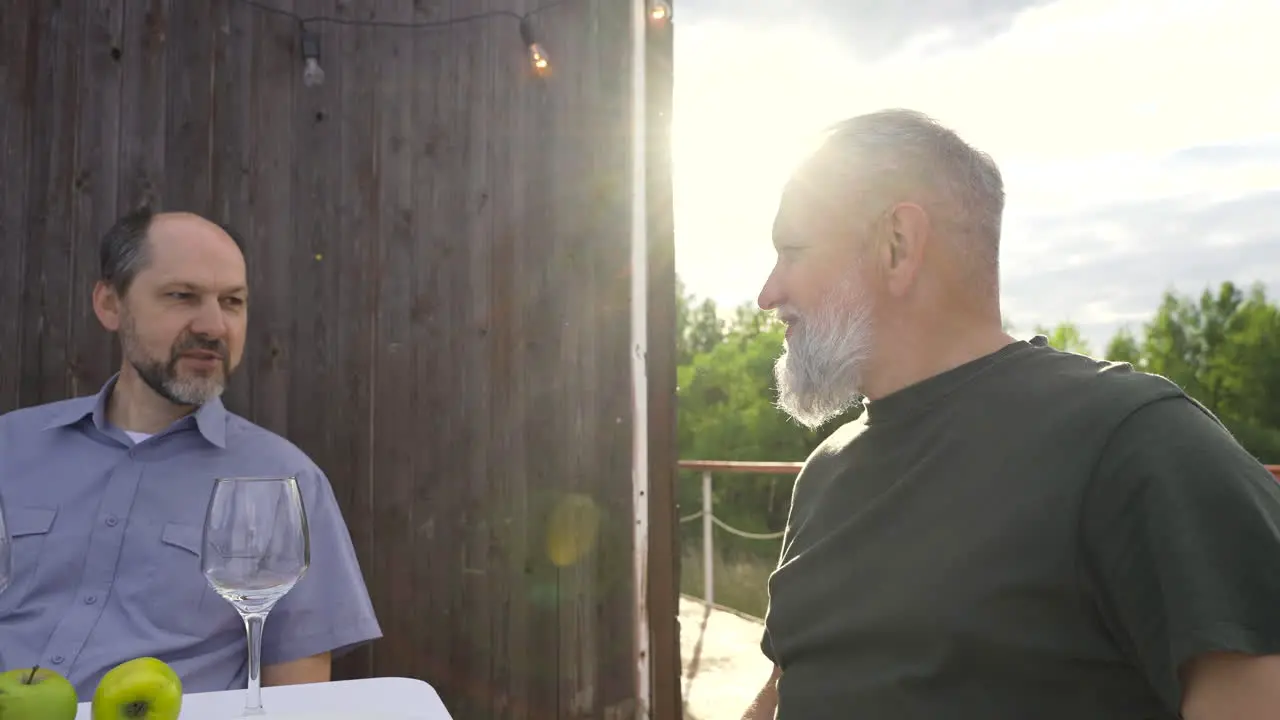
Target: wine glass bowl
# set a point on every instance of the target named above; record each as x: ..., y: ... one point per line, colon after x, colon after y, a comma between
x: 256, y: 548
x: 6, y: 552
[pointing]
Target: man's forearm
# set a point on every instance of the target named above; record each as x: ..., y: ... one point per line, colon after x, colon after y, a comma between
x: 765, y: 705
x: 317, y: 668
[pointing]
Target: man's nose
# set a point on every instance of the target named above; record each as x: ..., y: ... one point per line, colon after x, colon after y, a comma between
x: 210, y: 321
x: 771, y: 295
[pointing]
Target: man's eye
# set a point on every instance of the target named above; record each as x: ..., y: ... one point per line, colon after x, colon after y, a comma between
x: 180, y: 295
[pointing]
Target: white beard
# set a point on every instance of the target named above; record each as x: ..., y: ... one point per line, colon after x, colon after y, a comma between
x: 819, y: 375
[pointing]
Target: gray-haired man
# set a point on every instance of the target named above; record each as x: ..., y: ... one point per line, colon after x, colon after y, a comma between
x: 1008, y: 531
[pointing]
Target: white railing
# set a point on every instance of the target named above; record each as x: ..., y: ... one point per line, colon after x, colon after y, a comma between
x: 710, y: 521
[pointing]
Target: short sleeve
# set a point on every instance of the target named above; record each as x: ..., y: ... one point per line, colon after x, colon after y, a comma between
x: 329, y: 609
x: 1180, y: 529
x: 798, y: 498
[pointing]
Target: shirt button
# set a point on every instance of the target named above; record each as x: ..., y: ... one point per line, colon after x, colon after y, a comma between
x: 112, y: 521
x: 90, y: 599
x: 57, y: 659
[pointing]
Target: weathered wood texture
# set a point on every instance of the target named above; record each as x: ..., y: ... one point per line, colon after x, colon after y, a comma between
x: 664, y: 532
x: 439, y: 254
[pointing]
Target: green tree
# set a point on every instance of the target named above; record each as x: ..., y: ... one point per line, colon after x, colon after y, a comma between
x: 1067, y: 337
x: 1124, y: 347
x: 1223, y: 349
x: 698, y: 325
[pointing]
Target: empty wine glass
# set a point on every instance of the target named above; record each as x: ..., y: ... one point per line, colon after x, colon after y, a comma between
x: 256, y: 548
x: 6, y: 552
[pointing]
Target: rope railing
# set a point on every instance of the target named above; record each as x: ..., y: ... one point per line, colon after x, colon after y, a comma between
x: 710, y: 521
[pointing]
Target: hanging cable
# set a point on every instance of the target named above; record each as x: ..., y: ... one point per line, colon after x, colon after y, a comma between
x: 313, y: 74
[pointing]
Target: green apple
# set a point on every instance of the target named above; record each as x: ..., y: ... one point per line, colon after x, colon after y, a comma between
x: 36, y: 694
x: 141, y: 689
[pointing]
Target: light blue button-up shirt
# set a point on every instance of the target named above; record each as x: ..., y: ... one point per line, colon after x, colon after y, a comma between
x: 106, y: 543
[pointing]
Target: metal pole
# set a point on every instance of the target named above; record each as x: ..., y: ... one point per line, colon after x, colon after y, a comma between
x: 708, y: 553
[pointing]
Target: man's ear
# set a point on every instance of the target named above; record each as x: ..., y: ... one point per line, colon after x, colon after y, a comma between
x: 106, y: 305
x: 905, y: 241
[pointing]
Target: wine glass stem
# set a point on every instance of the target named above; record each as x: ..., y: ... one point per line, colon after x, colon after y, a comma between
x: 253, y: 623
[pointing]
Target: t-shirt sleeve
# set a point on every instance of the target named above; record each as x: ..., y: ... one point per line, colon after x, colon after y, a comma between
x: 1181, y: 543
x: 798, y: 497
x: 329, y: 610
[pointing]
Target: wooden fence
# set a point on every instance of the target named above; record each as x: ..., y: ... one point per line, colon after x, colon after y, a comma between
x: 440, y: 249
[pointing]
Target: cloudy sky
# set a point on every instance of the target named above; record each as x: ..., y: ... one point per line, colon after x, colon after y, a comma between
x: 1140, y: 141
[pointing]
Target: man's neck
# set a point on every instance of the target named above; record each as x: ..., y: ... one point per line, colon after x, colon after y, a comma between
x: 135, y: 407
x: 906, y: 360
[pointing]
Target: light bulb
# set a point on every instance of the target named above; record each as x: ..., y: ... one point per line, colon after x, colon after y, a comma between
x: 538, y: 59
x: 659, y: 10
x: 313, y: 74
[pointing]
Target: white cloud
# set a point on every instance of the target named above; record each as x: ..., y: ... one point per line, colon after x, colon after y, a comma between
x: 1088, y: 105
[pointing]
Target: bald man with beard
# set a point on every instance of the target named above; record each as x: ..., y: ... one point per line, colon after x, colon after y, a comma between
x: 1007, y: 530
x: 105, y: 494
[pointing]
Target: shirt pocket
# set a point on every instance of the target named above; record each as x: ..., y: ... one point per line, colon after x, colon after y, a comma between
x: 28, y: 527
x: 178, y: 598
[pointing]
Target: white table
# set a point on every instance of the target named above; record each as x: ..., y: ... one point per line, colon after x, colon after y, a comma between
x: 382, y: 698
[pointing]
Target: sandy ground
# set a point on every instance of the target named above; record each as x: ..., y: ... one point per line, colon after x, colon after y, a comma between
x: 723, y: 665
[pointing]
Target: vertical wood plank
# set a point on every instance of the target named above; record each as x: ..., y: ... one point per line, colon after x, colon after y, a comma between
x: 18, y: 77
x: 571, y: 279
x: 143, y: 107
x: 664, y: 451
x: 231, y: 134
x: 356, y: 249
x: 534, y: 325
x: 274, y: 78
x: 59, y: 240
x: 519, y: 661
x: 469, y: 124
x: 50, y: 156
x: 486, y: 567
x: 316, y: 302
x: 93, y: 355
x: 189, y: 88
x: 397, y: 440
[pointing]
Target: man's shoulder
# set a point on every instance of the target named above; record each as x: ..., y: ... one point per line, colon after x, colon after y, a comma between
x: 1087, y: 382
x: 246, y: 436
x: 839, y: 439
x: 39, y: 417
x: 826, y: 459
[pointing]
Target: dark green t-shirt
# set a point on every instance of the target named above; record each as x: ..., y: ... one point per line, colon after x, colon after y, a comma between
x: 1034, y: 534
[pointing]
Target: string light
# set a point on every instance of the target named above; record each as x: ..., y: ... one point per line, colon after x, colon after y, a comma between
x: 659, y: 11
x: 313, y: 74
x: 537, y: 57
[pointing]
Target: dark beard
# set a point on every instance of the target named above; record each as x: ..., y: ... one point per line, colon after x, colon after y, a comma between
x: 159, y: 375
x: 156, y: 375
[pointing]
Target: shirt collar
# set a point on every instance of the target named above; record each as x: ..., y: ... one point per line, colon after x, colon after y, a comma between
x: 210, y: 420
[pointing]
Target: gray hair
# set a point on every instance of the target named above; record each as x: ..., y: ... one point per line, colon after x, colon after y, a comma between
x: 903, y: 155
